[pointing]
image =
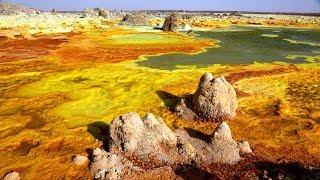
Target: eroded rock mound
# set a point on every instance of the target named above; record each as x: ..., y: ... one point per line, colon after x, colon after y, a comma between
x: 171, y: 23
x: 139, y: 147
x: 147, y: 138
x: 135, y: 20
x: 215, y: 99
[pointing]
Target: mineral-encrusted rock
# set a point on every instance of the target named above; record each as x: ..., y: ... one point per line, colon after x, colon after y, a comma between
x: 171, y: 23
x: 244, y: 147
x: 134, y: 19
x: 225, y: 148
x: 107, y: 165
x: 215, y: 99
x: 146, y: 138
x: 221, y: 149
x: 111, y: 166
x: 184, y: 111
x: 12, y: 176
x: 80, y: 160
x: 139, y: 147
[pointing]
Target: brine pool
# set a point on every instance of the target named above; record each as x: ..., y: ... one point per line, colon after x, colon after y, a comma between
x: 246, y: 45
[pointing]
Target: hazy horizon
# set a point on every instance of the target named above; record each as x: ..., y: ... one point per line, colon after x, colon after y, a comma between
x: 306, y: 6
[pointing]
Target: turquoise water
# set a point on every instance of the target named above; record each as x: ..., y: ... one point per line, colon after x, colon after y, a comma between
x: 245, y: 45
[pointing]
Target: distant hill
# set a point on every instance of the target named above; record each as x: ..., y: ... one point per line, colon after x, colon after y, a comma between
x: 7, y: 8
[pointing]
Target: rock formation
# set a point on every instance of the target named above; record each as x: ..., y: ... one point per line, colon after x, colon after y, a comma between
x: 135, y: 20
x: 12, y: 176
x: 96, y: 12
x: 215, y: 99
x: 171, y: 23
x: 9, y: 9
x: 143, y: 146
x: 103, y: 13
x: 145, y: 138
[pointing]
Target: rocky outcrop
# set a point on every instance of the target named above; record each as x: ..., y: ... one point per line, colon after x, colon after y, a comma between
x: 171, y: 23
x: 96, y: 12
x: 215, y: 99
x: 9, y: 9
x: 140, y: 146
x: 147, y: 138
x: 221, y: 149
x: 134, y: 20
x: 103, y: 13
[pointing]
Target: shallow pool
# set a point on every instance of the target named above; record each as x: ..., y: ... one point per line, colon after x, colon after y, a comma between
x: 245, y: 45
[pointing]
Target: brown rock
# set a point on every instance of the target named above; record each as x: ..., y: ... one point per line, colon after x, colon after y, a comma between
x: 135, y: 20
x: 171, y: 23
x: 184, y: 111
x: 154, y: 174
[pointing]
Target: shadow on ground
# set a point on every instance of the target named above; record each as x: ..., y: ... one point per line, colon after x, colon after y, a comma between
x: 199, y: 135
x: 292, y: 170
x: 100, y: 131
x: 170, y: 100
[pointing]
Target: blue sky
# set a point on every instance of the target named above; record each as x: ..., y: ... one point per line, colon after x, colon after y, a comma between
x: 239, y: 5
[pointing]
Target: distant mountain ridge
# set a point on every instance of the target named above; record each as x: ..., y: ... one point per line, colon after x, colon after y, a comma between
x: 10, y: 8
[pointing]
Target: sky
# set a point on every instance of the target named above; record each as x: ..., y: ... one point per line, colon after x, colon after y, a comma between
x: 227, y: 5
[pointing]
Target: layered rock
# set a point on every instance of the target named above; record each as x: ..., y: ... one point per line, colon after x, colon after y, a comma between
x: 171, y: 23
x: 143, y: 146
x: 134, y: 19
x: 215, y: 99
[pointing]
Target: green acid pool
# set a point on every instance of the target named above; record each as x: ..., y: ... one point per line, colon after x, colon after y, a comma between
x: 245, y: 45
